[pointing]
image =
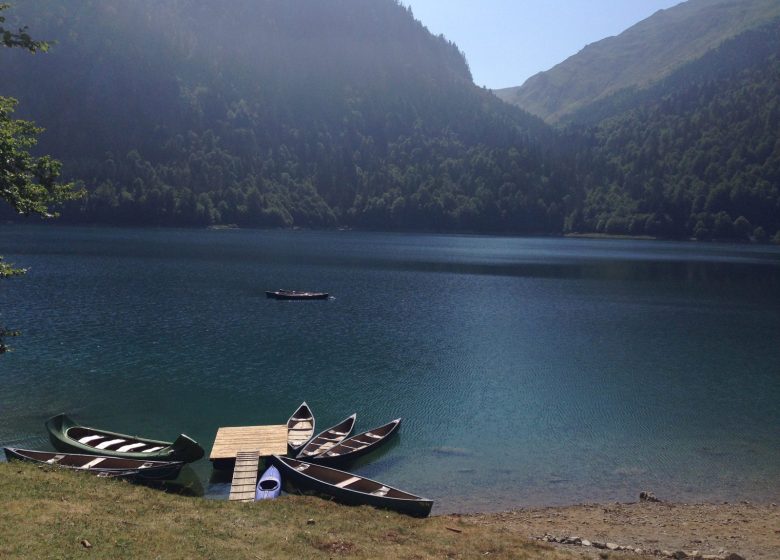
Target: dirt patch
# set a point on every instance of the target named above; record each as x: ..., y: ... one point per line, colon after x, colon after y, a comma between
x: 749, y: 530
x: 336, y: 547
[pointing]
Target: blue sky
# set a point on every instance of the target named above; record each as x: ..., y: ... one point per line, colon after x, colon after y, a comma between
x: 507, y: 41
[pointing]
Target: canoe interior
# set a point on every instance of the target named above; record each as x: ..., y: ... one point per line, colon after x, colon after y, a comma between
x: 363, y: 441
x: 300, y: 427
x: 93, y: 462
x: 347, y: 480
x: 329, y: 438
x: 100, y: 440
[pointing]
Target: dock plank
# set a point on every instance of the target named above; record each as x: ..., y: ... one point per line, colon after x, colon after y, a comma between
x: 242, y: 488
x: 266, y: 440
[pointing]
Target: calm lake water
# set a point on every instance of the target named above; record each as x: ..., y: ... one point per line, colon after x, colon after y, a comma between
x: 528, y: 371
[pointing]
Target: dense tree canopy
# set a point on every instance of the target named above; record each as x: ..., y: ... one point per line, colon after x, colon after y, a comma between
x: 302, y: 113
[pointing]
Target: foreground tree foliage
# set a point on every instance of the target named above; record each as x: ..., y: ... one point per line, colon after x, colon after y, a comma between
x: 27, y: 183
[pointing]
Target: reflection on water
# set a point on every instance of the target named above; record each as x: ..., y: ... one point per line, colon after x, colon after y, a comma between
x: 527, y: 371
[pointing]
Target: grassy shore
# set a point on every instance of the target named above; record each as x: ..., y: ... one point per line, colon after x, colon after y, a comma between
x: 49, y: 513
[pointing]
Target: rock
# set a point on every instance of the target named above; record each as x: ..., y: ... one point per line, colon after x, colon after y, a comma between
x: 646, y: 496
x: 733, y: 556
x: 694, y: 554
x: 586, y: 542
x: 86, y: 544
x: 612, y: 546
x: 639, y: 551
x: 666, y: 553
x: 597, y: 544
x: 310, y: 522
x: 679, y: 555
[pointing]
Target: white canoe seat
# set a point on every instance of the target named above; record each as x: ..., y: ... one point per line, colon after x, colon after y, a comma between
x: 338, y: 433
x: 87, y: 439
x: 130, y: 447
x: 152, y: 449
x: 298, y: 430
x: 109, y: 443
x: 92, y: 463
x: 146, y: 465
x: 56, y: 459
x: 301, y: 468
x: 301, y: 425
x: 369, y: 434
x: 347, y: 482
x: 381, y: 492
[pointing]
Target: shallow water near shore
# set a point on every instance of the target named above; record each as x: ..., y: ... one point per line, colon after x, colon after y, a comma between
x: 528, y: 371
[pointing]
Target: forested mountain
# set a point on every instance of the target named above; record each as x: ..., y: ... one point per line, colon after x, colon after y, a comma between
x: 638, y: 57
x: 277, y: 113
x: 286, y: 113
x: 698, y: 154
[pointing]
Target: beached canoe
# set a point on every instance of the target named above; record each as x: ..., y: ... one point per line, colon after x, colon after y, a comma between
x: 270, y: 485
x: 348, y: 488
x: 68, y: 436
x: 300, y: 428
x: 99, y: 465
x: 357, y: 446
x: 323, y: 441
x: 292, y: 294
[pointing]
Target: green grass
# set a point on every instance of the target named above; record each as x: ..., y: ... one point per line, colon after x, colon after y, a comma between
x: 48, y: 513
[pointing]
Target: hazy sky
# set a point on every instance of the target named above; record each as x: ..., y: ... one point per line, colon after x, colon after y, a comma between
x: 507, y: 41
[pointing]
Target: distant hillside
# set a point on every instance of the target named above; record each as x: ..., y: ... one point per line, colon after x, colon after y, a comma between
x: 698, y: 154
x: 276, y: 113
x: 641, y: 55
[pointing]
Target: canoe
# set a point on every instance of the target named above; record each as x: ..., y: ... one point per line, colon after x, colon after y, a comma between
x: 348, y: 488
x: 66, y: 435
x: 292, y: 294
x: 100, y: 465
x: 328, y: 439
x: 357, y: 446
x: 300, y: 428
x: 270, y: 485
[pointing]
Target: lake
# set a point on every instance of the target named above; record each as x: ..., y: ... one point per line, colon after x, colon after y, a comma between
x: 528, y: 371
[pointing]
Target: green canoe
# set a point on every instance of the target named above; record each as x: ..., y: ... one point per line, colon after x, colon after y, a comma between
x: 68, y: 436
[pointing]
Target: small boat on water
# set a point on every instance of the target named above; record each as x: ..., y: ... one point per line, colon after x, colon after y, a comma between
x: 357, y: 446
x: 270, y: 485
x: 112, y: 467
x: 68, y: 436
x: 323, y: 441
x: 300, y: 428
x: 292, y: 294
x: 348, y: 488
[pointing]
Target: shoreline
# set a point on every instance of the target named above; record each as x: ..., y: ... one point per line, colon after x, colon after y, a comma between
x: 650, y: 529
x: 51, y: 510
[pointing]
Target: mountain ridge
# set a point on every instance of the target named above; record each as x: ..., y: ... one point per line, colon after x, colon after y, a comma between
x: 639, y: 56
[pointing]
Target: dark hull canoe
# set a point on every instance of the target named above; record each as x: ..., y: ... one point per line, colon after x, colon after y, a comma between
x: 300, y: 428
x: 347, y: 488
x: 270, y: 485
x: 357, y: 446
x: 292, y: 294
x: 66, y: 435
x: 112, y: 467
x: 331, y: 437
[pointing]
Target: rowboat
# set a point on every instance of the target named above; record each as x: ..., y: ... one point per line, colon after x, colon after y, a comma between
x: 300, y: 428
x: 270, y: 485
x: 102, y: 466
x: 68, y: 436
x: 357, y: 446
x: 292, y: 294
x: 348, y: 488
x: 329, y: 438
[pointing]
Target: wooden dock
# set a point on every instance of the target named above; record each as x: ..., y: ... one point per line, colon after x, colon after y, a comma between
x: 263, y: 440
x: 242, y: 489
x: 241, y: 447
